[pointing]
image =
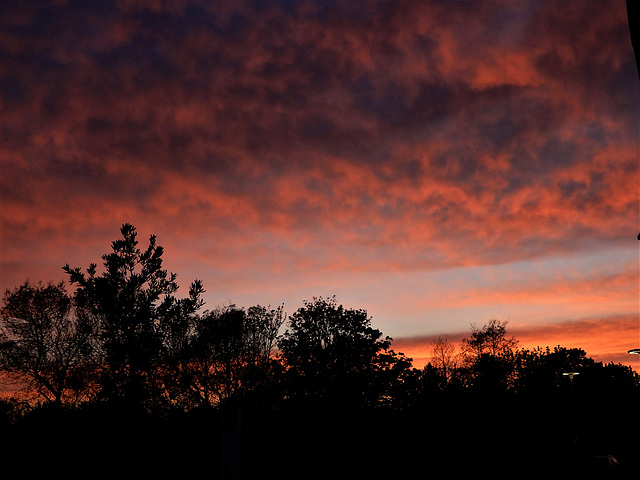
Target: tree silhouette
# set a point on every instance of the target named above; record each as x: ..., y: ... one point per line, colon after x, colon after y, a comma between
x: 444, y: 358
x: 488, y: 356
x: 333, y: 352
x: 231, y: 350
x: 46, y: 342
x: 491, y: 339
x: 139, y: 316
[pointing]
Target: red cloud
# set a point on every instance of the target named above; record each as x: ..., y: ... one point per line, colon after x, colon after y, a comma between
x: 320, y: 144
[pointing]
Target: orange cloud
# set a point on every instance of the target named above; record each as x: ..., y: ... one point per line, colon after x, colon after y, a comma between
x: 418, y: 149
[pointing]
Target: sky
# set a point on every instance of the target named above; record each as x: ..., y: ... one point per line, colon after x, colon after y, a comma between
x: 437, y: 163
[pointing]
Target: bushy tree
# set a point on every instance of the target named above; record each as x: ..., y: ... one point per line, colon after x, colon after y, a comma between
x: 488, y: 356
x: 141, y: 322
x: 231, y: 351
x: 491, y: 339
x: 329, y: 350
x: 47, y: 343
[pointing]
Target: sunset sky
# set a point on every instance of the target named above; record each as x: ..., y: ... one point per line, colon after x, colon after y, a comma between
x: 437, y: 163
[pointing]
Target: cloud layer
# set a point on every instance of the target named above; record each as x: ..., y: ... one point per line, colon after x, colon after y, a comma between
x: 283, y: 148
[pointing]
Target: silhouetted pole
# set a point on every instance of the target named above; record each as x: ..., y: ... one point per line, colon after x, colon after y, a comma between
x: 635, y: 351
x: 573, y: 404
x: 633, y: 17
x: 574, y: 443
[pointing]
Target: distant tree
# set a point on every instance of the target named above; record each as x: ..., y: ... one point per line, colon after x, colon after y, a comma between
x: 444, y: 358
x: 491, y: 339
x: 141, y: 321
x: 46, y: 342
x: 488, y: 356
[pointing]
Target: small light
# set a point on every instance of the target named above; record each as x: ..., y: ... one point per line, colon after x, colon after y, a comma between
x: 570, y: 374
x: 634, y: 351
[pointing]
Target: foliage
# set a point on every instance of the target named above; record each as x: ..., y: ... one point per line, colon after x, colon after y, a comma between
x: 323, y: 335
x: 141, y: 323
x: 231, y: 350
x: 331, y: 351
x: 47, y: 341
x: 491, y: 340
x: 487, y: 357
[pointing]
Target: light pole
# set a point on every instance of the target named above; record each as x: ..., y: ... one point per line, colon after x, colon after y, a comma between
x: 634, y: 351
x: 573, y: 403
x: 574, y: 445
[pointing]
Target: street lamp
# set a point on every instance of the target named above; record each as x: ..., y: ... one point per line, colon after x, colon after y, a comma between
x: 573, y: 406
x: 634, y: 351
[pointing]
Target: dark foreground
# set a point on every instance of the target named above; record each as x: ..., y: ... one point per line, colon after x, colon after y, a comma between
x: 447, y: 438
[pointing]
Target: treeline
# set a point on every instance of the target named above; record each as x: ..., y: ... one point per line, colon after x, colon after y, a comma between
x: 273, y: 393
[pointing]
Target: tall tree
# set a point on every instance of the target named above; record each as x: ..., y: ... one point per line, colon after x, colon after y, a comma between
x: 46, y: 343
x: 139, y: 315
